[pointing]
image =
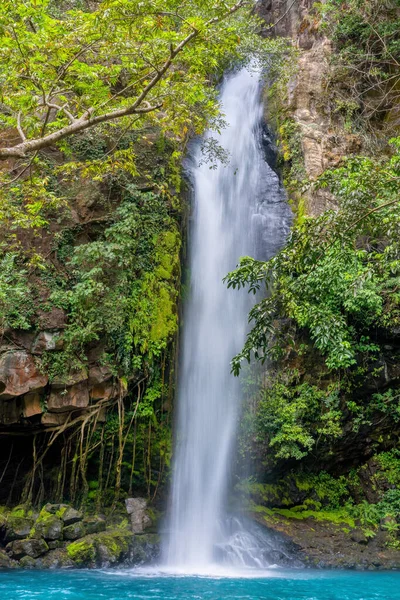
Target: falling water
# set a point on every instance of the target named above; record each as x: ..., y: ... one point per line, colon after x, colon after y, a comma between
x: 239, y: 209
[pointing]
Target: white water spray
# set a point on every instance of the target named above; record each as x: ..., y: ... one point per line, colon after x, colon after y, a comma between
x: 239, y: 210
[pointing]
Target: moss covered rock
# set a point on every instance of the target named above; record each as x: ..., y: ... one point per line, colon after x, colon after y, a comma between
x: 29, y: 547
x: 70, y: 515
x: 5, y: 561
x: 75, y: 531
x: 47, y: 526
x: 17, y: 522
x: 144, y: 548
x: 55, y: 559
x: 82, y: 552
x: 100, y: 549
x: 95, y: 525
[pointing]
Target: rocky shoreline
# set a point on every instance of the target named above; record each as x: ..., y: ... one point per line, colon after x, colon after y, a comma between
x: 328, y: 545
x: 59, y: 536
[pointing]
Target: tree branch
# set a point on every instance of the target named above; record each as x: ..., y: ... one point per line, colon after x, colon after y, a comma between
x: 139, y: 106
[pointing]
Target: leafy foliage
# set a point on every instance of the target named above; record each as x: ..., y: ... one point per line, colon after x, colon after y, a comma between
x: 338, y: 275
x: 365, y: 77
x: 291, y: 418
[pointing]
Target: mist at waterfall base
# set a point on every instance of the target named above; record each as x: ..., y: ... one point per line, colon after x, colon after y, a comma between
x: 239, y: 209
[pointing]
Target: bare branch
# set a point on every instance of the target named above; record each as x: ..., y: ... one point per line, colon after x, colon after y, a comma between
x: 20, y: 131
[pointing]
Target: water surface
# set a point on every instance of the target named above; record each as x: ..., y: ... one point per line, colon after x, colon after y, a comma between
x: 274, y: 585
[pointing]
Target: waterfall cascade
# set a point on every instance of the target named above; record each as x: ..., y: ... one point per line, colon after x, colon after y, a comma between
x: 239, y: 209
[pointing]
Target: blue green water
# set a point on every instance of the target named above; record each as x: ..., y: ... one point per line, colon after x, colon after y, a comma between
x: 278, y: 585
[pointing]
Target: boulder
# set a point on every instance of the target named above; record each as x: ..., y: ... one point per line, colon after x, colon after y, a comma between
x: 357, y: 535
x: 48, y: 526
x: 95, y: 525
x: 19, y: 374
x: 137, y: 509
x: 54, y: 509
x: 18, y: 525
x: 28, y: 547
x: 5, y: 561
x: 27, y: 562
x: 143, y: 549
x: 70, y: 516
x: 55, y: 559
x: 75, y: 531
x: 51, y: 319
x: 68, y: 399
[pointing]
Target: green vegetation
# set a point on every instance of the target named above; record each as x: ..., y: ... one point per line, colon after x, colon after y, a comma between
x: 327, y: 322
x: 98, y: 103
x: 327, y: 280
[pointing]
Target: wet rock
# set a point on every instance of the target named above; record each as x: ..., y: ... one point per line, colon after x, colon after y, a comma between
x: 19, y: 374
x: 54, y: 544
x: 143, y: 549
x: 28, y: 547
x: 70, y: 516
x: 137, y: 509
x: 95, y: 525
x: 101, y: 549
x: 27, y: 562
x: 70, y: 398
x: 82, y: 553
x: 5, y: 561
x: 55, y: 559
x: 75, y: 531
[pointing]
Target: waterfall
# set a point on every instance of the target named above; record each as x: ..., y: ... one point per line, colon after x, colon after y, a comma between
x: 239, y: 209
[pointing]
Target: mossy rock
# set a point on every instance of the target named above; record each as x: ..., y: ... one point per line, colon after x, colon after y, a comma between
x: 29, y: 547
x: 47, y: 526
x: 83, y: 552
x: 27, y: 562
x: 18, y: 528
x: 70, y: 515
x: 22, y: 511
x: 95, y: 525
x: 55, y: 559
x: 5, y: 561
x: 144, y: 548
x: 100, y: 549
x: 75, y: 531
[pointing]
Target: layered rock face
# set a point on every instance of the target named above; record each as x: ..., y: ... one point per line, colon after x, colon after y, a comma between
x: 323, y: 142
x: 26, y: 395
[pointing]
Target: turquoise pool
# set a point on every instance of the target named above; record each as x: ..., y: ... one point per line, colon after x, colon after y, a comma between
x: 274, y: 585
